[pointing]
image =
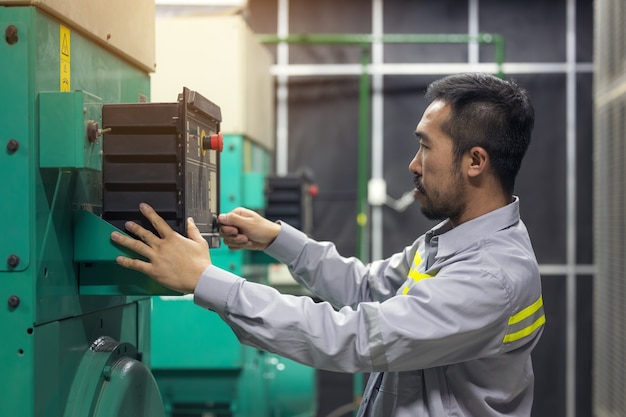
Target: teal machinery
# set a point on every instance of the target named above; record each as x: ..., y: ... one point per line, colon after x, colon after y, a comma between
x: 80, y: 145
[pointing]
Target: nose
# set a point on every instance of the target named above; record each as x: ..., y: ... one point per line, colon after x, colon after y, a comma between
x: 415, y: 166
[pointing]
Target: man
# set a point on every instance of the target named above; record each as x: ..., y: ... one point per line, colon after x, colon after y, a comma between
x: 446, y: 326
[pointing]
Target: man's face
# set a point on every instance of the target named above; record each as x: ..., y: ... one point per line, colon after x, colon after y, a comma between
x: 439, y: 183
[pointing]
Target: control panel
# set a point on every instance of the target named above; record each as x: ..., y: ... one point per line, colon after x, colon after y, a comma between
x: 166, y: 155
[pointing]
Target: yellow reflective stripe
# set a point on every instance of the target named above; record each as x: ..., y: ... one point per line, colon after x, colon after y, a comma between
x: 525, y: 322
x: 512, y: 337
x: 414, y: 274
x: 417, y: 259
x: 418, y: 276
x: 527, y: 312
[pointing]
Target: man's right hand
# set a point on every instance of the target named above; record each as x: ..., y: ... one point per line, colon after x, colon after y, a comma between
x: 246, y: 229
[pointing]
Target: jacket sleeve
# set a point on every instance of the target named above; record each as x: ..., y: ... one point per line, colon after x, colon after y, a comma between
x: 331, y: 277
x: 461, y: 314
x: 443, y: 321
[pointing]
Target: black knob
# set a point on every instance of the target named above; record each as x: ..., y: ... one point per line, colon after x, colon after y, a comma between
x: 14, y: 301
x: 12, y: 145
x: 10, y: 34
x: 13, y: 261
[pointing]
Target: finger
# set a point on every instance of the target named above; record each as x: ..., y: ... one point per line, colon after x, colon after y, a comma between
x: 241, y: 240
x: 227, y: 231
x: 193, y: 232
x: 135, y: 245
x: 224, y: 219
x: 143, y: 234
x: 235, y: 246
x: 243, y: 212
x: 160, y: 225
x: 136, y: 264
x: 237, y: 217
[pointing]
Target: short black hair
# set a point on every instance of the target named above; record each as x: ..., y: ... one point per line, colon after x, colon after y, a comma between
x: 489, y: 112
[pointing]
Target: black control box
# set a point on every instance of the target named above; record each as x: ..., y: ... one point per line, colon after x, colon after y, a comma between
x: 166, y: 155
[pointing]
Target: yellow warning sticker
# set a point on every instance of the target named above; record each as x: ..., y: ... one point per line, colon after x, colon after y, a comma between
x: 64, y: 59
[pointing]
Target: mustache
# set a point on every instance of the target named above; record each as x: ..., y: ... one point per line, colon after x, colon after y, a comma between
x: 417, y: 181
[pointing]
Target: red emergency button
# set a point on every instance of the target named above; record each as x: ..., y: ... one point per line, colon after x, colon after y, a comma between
x: 215, y: 142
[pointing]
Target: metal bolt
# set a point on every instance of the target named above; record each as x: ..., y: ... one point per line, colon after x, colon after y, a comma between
x: 106, y: 372
x: 10, y: 34
x: 13, y: 261
x: 14, y: 301
x: 92, y: 131
x: 12, y: 145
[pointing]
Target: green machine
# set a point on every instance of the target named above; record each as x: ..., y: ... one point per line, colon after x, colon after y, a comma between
x: 76, y: 328
x: 64, y: 353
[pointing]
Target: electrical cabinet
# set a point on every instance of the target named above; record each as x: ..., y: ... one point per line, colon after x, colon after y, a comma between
x: 166, y: 155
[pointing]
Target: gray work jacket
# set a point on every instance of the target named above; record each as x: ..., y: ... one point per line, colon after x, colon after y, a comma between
x: 446, y: 326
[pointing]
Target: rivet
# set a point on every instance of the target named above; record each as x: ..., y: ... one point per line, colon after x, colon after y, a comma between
x: 12, y: 145
x: 13, y: 301
x: 13, y: 261
x: 10, y: 34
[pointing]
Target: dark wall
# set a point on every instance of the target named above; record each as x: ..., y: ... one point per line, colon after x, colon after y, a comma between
x: 323, y: 135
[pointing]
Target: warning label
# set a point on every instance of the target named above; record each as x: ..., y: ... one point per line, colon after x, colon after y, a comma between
x: 65, y: 74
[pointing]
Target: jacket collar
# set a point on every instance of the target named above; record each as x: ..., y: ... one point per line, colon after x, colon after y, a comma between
x: 451, y: 239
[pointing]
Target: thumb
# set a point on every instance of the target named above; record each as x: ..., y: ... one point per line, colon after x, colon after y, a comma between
x: 192, y: 231
x: 233, y: 218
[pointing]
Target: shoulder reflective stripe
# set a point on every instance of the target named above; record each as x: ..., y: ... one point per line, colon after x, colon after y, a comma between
x: 414, y: 273
x: 526, y: 322
x: 417, y: 259
x: 418, y: 276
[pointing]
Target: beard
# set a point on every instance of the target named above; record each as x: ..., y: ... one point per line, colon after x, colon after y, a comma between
x: 441, y: 205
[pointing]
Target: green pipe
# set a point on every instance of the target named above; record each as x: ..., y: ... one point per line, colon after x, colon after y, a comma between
x: 364, y: 39
x: 363, y: 171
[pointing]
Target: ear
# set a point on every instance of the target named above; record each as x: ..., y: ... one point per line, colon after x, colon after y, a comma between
x: 479, y: 159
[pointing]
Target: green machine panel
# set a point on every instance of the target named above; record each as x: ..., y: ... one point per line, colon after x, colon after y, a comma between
x: 69, y: 134
x: 16, y: 148
x: 185, y: 336
x: 50, y: 143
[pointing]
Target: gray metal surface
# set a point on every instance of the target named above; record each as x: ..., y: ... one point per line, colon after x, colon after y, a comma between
x: 609, y: 198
